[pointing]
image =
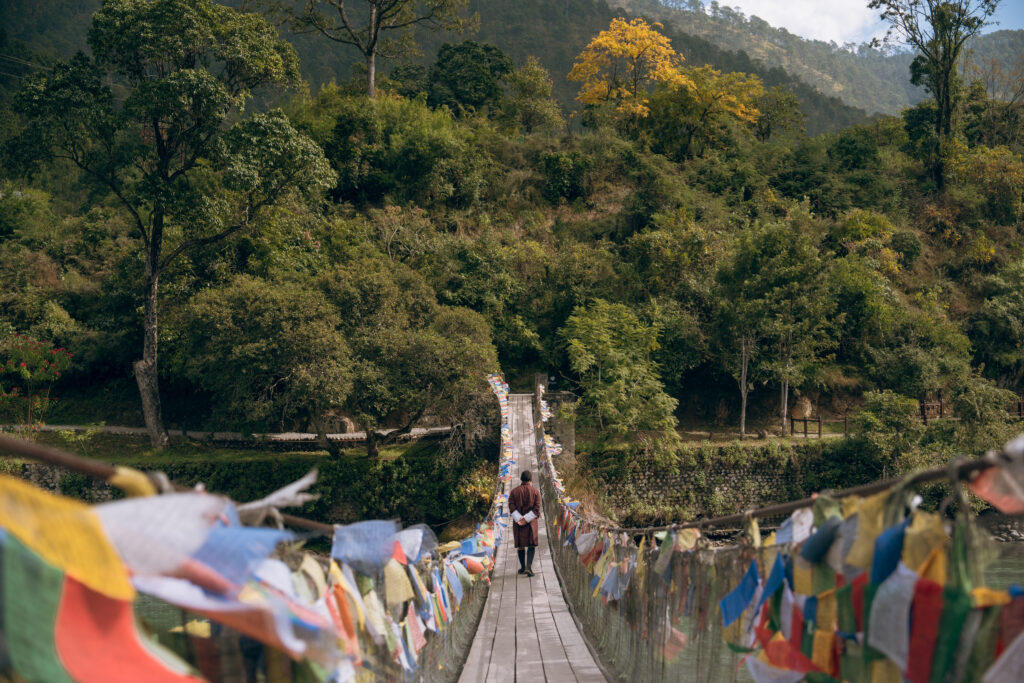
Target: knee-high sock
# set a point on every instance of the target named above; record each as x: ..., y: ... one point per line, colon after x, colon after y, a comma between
x: 529, y: 556
x: 522, y: 558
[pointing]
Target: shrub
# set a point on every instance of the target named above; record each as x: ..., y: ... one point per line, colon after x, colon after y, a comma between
x: 564, y: 175
x: 907, y: 245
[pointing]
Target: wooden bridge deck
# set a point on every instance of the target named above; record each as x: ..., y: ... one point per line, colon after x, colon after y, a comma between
x: 526, y: 632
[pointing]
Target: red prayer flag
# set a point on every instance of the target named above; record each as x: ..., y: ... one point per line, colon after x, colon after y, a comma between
x: 926, y: 614
x: 1011, y: 622
x: 97, y: 641
x: 1000, y: 487
x: 399, y: 554
x: 783, y: 654
x: 797, y: 629
x: 857, y: 598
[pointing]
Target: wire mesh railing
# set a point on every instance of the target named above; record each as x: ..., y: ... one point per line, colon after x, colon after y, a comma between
x: 860, y: 585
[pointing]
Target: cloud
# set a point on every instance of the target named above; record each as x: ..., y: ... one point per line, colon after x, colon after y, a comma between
x: 841, y: 21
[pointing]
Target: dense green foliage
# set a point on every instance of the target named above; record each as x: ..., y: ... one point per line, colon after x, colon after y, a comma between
x: 554, y: 33
x: 462, y: 228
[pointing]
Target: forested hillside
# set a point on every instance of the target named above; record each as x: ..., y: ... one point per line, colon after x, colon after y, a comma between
x: 870, y: 79
x: 553, y: 32
x: 684, y: 253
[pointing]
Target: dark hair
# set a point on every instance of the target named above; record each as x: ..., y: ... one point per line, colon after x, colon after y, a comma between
x: 525, y: 476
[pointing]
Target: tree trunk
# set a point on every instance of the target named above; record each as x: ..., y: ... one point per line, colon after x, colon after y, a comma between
x: 744, y: 361
x: 784, y: 405
x: 371, y: 75
x: 321, y: 437
x: 146, y: 369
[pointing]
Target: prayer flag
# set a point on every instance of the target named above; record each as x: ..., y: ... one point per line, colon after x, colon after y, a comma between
x: 64, y: 532
x: 889, y: 622
x: 888, y: 550
x: 926, y: 613
x: 737, y: 600
x: 774, y: 581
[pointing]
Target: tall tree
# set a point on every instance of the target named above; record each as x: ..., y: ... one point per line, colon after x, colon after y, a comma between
x: 773, y: 309
x: 685, y: 120
x: 621, y: 62
x: 739, y: 321
x: 410, y: 356
x: 378, y: 27
x: 938, y: 31
x: 168, y: 143
x: 529, y: 104
x: 467, y: 76
x: 610, y: 350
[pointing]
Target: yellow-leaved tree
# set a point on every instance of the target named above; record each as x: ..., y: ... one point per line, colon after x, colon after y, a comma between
x: 685, y: 122
x: 621, y: 62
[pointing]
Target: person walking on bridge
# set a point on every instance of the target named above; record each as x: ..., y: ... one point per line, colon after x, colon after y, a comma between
x: 524, y: 504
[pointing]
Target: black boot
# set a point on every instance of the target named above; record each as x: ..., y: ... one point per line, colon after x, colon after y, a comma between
x: 529, y: 560
x: 522, y: 560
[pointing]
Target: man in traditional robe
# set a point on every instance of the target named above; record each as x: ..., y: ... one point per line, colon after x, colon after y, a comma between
x: 524, y: 506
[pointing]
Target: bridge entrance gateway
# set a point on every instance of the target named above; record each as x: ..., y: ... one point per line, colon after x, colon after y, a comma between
x: 526, y: 632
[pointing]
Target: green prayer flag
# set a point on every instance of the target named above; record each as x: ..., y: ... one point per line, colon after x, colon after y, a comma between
x: 870, y: 653
x: 32, y: 591
x: 955, y: 606
x: 983, y: 654
x: 847, y: 619
x: 823, y: 578
x: 851, y: 662
x: 735, y: 647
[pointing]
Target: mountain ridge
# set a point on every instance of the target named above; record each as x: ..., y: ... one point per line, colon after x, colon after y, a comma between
x: 874, y: 80
x: 555, y: 35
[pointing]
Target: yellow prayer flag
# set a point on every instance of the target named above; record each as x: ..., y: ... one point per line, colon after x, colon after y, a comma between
x: 66, y: 533
x: 849, y: 505
x: 935, y: 568
x: 986, y: 597
x: 885, y: 671
x: 803, y: 577
x: 870, y: 519
x: 338, y: 578
x: 134, y: 483
x: 823, y: 649
x: 828, y: 611
x: 397, y: 588
x: 925, y: 533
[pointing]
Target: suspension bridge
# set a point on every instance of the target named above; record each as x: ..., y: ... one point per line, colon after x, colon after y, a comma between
x: 651, y: 604
x: 527, y: 632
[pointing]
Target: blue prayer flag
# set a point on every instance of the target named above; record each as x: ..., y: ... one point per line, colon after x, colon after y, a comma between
x: 888, y: 550
x: 815, y: 547
x: 811, y: 609
x: 739, y: 598
x: 235, y: 551
x: 455, y: 583
x: 774, y: 582
x: 366, y: 546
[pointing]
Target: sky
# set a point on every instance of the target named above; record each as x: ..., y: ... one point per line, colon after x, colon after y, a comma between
x: 846, y: 21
